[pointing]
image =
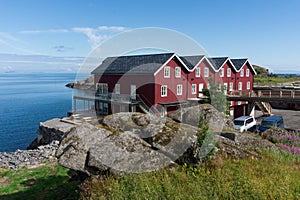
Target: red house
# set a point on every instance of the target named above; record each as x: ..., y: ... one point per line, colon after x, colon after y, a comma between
x: 162, y: 82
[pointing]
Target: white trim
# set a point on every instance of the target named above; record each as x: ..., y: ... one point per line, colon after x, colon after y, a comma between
x: 247, y: 72
x: 161, y: 89
x: 247, y: 60
x: 117, y: 88
x: 242, y: 74
x: 196, y: 72
x: 230, y: 86
x: 176, y: 68
x: 169, y: 69
x: 240, y: 86
x: 194, y: 89
x: 222, y: 74
x: 179, y: 91
x: 228, y: 74
x: 248, y: 85
x: 207, y: 72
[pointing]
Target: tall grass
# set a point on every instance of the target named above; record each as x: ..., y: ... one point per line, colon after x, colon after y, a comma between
x: 273, y: 177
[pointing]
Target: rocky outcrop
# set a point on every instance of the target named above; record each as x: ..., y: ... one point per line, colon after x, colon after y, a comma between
x: 51, y: 130
x: 94, y: 150
x: 28, y: 158
x: 86, y: 84
x: 209, y: 115
x: 242, y: 145
x: 135, y: 142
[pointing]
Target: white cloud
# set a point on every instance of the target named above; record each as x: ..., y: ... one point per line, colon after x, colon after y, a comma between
x: 44, y: 31
x: 100, y: 34
x: 13, y: 43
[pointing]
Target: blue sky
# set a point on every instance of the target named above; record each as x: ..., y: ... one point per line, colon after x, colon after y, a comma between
x: 267, y: 32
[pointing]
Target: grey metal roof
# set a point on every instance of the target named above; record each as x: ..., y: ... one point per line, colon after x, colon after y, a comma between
x: 217, y: 62
x: 136, y: 64
x: 191, y: 61
x: 238, y: 63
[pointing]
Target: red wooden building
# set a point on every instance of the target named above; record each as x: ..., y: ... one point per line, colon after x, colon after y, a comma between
x: 163, y: 82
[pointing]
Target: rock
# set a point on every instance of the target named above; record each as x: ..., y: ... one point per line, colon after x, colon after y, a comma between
x: 242, y: 145
x: 214, y: 119
x: 94, y: 150
x: 51, y: 130
x: 86, y: 84
x: 28, y: 158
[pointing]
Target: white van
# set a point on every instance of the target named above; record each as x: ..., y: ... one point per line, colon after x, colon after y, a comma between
x: 244, y: 123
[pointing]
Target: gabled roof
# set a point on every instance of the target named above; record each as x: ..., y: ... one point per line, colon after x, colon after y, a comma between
x: 136, y: 64
x: 240, y: 63
x: 192, y: 61
x: 218, y: 62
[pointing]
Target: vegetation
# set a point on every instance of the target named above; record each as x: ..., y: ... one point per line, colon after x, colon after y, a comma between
x: 273, y: 177
x: 48, y: 182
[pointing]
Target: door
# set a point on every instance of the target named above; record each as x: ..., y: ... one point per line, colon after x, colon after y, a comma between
x: 200, y: 88
x: 133, y: 92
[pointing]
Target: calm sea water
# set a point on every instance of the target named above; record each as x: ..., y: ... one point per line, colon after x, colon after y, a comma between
x: 28, y: 99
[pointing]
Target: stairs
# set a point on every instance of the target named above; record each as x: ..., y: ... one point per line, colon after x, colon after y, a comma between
x: 265, y: 107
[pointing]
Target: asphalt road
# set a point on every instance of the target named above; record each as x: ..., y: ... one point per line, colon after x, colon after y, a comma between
x: 291, y: 118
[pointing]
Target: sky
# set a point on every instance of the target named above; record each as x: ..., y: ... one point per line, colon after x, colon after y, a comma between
x: 265, y: 31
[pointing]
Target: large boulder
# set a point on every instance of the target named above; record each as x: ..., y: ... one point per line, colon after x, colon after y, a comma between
x: 51, y: 130
x: 207, y: 114
x: 93, y: 150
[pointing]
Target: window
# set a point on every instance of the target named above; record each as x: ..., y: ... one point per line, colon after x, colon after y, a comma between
x: 231, y: 86
x: 198, y: 72
x: 206, y: 72
x: 177, y: 72
x: 242, y: 73
x: 239, y: 103
x: 208, y: 86
x: 228, y: 72
x: 240, y: 86
x: 164, y: 90
x: 194, y: 88
x: 247, y: 72
x: 222, y: 72
x: 248, y: 85
x: 225, y: 87
x: 102, y: 88
x: 179, y: 89
x: 105, y: 107
x: 167, y: 72
x: 117, y: 88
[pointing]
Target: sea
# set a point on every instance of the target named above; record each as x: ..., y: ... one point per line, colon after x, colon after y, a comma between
x: 28, y: 99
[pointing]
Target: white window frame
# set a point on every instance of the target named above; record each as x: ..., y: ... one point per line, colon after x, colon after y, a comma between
x: 167, y: 72
x: 206, y: 72
x: 164, y: 91
x: 222, y: 72
x: 179, y: 89
x: 228, y: 72
x: 248, y: 85
x: 198, y: 72
x: 177, y: 72
x: 242, y: 72
x: 194, y: 88
x: 117, y: 88
x: 247, y: 72
x: 240, y: 86
x: 225, y: 88
x: 231, y: 86
x: 102, y: 88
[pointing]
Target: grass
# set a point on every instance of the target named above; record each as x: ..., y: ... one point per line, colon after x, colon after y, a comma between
x: 47, y: 182
x: 273, y: 177
x: 274, y: 81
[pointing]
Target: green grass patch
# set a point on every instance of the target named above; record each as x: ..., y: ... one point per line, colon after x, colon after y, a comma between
x: 274, y: 81
x: 47, y: 182
x: 273, y: 177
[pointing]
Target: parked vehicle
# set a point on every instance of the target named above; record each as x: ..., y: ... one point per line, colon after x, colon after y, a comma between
x: 244, y: 123
x: 270, y: 122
